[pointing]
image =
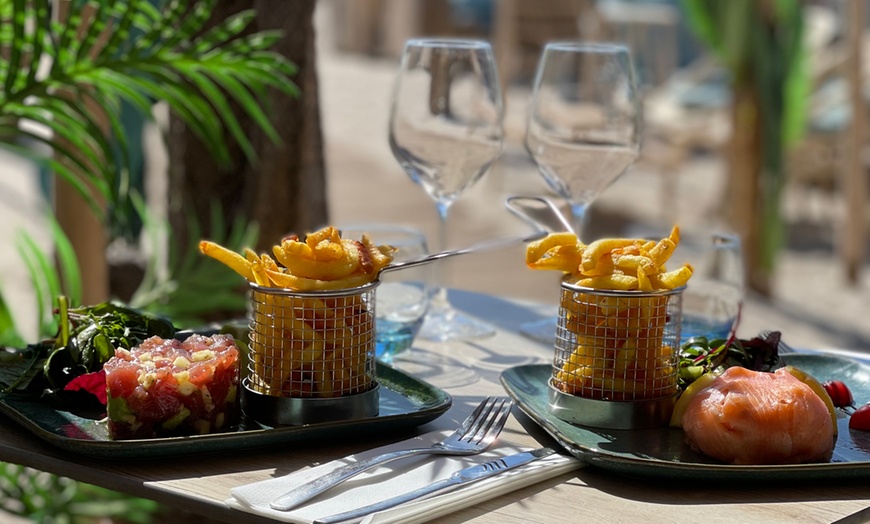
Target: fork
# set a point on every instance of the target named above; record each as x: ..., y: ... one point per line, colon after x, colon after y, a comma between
x: 476, y: 433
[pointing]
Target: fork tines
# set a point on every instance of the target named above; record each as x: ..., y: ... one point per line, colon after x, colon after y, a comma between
x: 489, y: 419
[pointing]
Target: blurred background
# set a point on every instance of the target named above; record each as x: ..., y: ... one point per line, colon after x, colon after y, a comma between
x: 693, y: 157
x: 692, y: 164
x: 756, y: 128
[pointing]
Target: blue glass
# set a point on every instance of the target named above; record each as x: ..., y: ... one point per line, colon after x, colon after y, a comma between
x: 394, y: 337
x: 700, y: 326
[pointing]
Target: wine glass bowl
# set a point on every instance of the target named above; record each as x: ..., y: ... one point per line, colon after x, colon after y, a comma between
x: 584, y: 120
x: 446, y: 132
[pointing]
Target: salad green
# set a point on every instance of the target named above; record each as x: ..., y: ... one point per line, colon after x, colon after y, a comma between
x: 87, y: 338
x: 700, y: 355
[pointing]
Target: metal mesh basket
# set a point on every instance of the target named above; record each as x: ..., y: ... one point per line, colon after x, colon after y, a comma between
x: 617, y: 345
x: 312, y: 344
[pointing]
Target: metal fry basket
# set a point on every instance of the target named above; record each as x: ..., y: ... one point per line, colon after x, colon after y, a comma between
x: 312, y: 355
x: 616, y: 357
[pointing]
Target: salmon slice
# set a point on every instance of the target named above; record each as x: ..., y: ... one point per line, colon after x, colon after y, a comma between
x: 751, y: 417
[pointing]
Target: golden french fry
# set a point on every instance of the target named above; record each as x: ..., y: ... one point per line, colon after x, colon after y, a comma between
x: 380, y: 256
x: 647, y: 246
x: 268, y: 262
x: 291, y: 247
x: 675, y: 234
x: 604, y: 267
x: 593, y: 252
x: 643, y: 282
x: 614, y: 281
x: 662, y: 251
x: 328, y: 234
x: 313, y: 268
x: 235, y: 261
x: 564, y: 258
x: 259, y: 272
x: 538, y: 249
x: 634, y: 249
x: 328, y: 251
x: 630, y: 264
x: 673, y: 279
x: 288, y: 281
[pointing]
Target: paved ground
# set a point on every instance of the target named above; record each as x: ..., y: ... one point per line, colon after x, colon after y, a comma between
x: 813, y: 305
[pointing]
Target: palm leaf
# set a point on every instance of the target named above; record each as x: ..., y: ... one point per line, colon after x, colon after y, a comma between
x: 93, y: 56
x: 70, y: 274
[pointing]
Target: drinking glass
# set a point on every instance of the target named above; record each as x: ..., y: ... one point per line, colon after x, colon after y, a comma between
x: 714, y: 295
x: 446, y: 131
x: 402, y: 298
x: 583, y: 128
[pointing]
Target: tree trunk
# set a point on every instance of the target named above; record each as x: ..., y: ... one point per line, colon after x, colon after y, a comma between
x: 284, y: 191
x: 744, y: 199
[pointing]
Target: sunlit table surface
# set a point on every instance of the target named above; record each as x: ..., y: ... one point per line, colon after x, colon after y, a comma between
x: 468, y: 371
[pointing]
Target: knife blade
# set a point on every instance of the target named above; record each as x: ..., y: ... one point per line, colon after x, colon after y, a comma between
x: 463, y: 476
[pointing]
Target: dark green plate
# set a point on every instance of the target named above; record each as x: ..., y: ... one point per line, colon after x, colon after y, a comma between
x: 662, y: 452
x: 405, y: 402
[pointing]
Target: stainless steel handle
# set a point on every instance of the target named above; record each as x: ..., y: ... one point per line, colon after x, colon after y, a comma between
x: 389, y: 503
x: 306, y: 492
x: 486, y: 245
x: 539, y: 212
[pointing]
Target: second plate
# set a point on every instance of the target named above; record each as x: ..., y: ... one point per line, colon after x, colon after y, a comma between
x: 661, y: 452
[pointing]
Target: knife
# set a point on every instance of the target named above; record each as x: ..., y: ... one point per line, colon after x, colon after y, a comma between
x: 463, y: 476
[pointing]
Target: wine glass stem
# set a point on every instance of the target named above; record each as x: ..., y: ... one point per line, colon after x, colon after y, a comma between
x: 439, y: 301
x: 578, y: 217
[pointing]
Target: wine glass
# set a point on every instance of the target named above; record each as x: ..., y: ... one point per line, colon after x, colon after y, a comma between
x: 446, y: 131
x: 583, y: 128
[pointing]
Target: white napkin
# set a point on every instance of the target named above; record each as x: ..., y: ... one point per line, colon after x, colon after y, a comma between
x: 397, y: 477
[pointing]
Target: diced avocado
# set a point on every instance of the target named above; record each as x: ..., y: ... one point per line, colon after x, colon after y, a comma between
x: 118, y: 410
x: 176, y: 419
x: 202, y: 426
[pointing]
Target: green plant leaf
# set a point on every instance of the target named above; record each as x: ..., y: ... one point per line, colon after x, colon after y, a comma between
x: 9, y: 334
x: 91, y: 189
x: 67, y: 125
x: 218, y: 100
x: 223, y: 32
x: 250, y: 105
x: 96, y: 56
x: 19, y: 20
x: 70, y: 273
x: 44, y: 278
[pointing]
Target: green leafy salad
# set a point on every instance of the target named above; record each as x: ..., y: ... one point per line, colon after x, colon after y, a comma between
x: 700, y: 355
x: 87, y: 339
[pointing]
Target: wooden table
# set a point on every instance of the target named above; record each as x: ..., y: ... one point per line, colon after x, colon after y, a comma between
x: 468, y: 371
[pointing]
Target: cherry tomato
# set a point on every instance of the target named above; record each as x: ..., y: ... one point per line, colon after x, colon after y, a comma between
x: 839, y: 393
x: 860, y: 419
